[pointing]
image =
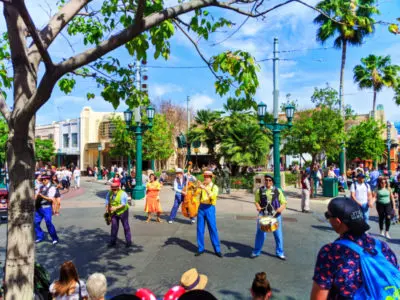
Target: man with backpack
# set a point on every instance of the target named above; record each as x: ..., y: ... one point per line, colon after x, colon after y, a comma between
x: 361, y: 194
x: 269, y: 200
x: 356, y: 265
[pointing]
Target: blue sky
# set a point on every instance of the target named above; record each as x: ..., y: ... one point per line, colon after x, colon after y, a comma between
x: 299, y: 74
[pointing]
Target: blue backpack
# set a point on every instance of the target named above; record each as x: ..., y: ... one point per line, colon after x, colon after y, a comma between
x: 381, y: 280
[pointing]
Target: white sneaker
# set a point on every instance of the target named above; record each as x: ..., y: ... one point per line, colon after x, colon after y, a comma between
x: 170, y: 222
x: 387, y: 235
x: 55, y: 242
x: 193, y: 221
x: 382, y: 233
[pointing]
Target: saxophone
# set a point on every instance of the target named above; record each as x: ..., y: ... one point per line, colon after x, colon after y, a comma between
x: 108, y: 215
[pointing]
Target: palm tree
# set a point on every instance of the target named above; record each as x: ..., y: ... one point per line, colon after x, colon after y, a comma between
x: 353, y: 23
x: 376, y: 72
x: 204, y: 129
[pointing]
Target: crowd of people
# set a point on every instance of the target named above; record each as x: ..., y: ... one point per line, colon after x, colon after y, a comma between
x: 192, y: 286
x: 341, y: 266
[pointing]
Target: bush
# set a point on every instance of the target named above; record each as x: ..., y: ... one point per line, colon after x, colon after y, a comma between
x: 290, y: 178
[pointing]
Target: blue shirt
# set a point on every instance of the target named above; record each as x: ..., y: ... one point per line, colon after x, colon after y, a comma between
x: 373, y: 178
x: 124, y: 198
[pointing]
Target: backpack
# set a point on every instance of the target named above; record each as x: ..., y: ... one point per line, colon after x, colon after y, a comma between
x: 381, y: 280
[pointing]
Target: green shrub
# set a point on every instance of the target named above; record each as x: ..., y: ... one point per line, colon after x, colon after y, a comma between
x: 290, y: 179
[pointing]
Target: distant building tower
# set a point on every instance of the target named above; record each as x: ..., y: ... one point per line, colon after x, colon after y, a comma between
x: 379, y: 107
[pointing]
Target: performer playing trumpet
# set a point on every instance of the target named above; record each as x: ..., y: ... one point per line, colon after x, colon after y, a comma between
x: 206, y: 214
x: 117, y: 206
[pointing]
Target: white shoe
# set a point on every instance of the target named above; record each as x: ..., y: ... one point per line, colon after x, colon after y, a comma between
x: 387, y: 235
x: 193, y: 221
x: 55, y: 242
x: 170, y: 222
x: 382, y: 233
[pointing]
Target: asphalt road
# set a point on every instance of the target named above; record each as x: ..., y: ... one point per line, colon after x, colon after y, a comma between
x: 162, y: 252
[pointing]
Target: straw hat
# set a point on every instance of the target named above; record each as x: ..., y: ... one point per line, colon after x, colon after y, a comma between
x: 178, y: 170
x: 192, y: 280
x: 208, y: 173
x: 149, y: 172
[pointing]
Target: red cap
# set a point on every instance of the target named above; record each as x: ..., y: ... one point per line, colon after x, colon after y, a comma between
x: 174, y: 293
x: 145, y: 294
x: 114, y: 185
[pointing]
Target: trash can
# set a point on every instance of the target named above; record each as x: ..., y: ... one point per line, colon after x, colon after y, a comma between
x: 330, y: 188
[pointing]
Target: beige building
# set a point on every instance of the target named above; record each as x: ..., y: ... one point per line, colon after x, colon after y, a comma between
x: 96, y: 129
x: 49, y: 132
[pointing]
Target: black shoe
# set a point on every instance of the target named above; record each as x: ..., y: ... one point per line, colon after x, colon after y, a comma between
x: 199, y: 253
x: 111, y: 245
x: 128, y: 245
x: 219, y: 254
x: 306, y: 211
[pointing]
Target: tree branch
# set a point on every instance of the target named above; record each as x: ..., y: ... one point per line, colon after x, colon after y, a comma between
x: 139, y: 11
x: 129, y: 33
x: 197, y: 49
x: 20, y: 5
x: 4, y: 108
x: 60, y: 20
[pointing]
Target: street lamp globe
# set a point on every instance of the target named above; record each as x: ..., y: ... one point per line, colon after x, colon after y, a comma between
x: 99, y: 147
x: 128, y: 116
x: 389, y: 125
x: 289, y: 112
x: 150, y: 113
x: 261, y: 110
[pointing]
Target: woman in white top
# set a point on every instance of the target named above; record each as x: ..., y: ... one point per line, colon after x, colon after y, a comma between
x: 68, y: 286
x: 77, y: 177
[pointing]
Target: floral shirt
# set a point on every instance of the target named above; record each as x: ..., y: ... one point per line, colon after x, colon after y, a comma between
x: 338, y: 268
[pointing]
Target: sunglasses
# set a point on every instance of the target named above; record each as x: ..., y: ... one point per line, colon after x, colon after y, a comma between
x: 328, y: 215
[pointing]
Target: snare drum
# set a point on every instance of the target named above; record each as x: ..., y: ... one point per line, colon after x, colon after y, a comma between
x: 268, y: 224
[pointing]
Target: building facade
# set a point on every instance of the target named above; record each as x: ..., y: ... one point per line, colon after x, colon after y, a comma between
x: 49, y: 132
x: 69, y: 149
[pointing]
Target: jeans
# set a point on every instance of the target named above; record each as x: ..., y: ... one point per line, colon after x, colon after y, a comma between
x: 177, y: 202
x: 384, y: 213
x: 44, y: 213
x: 365, y: 211
x: 124, y: 217
x: 261, y: 235
x: 205, y: 215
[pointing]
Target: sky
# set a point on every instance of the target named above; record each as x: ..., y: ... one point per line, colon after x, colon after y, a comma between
x: 306, y: 64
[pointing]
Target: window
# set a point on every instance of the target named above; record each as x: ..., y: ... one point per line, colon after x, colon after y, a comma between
x: 51, y: 136
x: 74, y: 137
x: 107, y: 129
x: 65, y: 140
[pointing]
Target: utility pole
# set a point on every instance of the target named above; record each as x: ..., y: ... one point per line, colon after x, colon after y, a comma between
x: 188, y: 142
x: 276, y: 81
x: 342, y: 153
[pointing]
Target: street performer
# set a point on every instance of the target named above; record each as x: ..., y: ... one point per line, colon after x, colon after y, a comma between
x: 117, y: 206
x: 269, y: 200
x: 43, y: 206
x: 206, y: 214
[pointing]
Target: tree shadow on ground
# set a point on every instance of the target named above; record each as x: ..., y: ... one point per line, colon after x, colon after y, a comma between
x: 87, y: 248
x: 242, y: 250
x: 185, y: 244
x: 323, y: 228
x: 102, y: 194
x: 164, y: 217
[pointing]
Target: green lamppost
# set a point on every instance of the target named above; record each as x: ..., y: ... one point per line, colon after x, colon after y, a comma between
x: 139, y: 129
x: 388, y: 143
x: 58, y: 157
x: 99, y: 175
x: 276, y: 129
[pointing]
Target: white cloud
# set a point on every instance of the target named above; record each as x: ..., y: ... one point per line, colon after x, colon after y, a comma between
x: 159, y: 90
x: 201, y: 101
x: 287, y: 75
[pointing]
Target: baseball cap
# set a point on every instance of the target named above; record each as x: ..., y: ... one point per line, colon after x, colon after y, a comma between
x: 270, y: 177
x: 115, y: 186
x: 348, y: 211
x: 360, y: 175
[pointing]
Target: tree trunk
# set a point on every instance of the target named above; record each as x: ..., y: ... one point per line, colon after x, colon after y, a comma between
x: 374, y: 104
x: 20, y: 240
x: 342, y: 67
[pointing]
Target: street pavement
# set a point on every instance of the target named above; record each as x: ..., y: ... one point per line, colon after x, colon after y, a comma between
x: 162, y: 252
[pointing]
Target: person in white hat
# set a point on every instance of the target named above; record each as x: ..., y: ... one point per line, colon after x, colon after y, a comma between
x: 179, y: 183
